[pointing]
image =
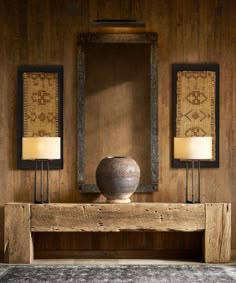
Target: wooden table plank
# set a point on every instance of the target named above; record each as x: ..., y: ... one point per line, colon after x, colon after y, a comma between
x: 117, y: 217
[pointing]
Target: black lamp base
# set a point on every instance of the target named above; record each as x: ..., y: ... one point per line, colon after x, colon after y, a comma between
x: 192, y: 179
x: 42, y: 199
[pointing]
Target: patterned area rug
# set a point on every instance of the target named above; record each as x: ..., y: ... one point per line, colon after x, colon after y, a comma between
x: 118, y: 273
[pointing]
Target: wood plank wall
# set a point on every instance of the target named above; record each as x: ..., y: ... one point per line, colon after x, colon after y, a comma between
x: 45, y: 32
x: 117, y: 106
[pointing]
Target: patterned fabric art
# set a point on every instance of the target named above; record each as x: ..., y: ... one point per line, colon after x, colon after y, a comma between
x: 40, y: 104
x: 195, y: 115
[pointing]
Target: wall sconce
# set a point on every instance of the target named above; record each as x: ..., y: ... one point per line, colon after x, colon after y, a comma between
x: 118, y: 23
x: 41, y: 149
x: 193, y: 149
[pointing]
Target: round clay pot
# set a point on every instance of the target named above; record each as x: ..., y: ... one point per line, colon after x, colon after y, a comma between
x: 117, y: 178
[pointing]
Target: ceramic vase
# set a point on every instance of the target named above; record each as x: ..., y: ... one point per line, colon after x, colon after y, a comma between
x: 117, y: 178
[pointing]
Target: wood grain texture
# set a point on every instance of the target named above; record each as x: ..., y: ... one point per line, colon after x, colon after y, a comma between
x: 125, y: 241
x: 18, y: 244
x: 218, y: 233
x: 117, y: 217
x: 189, y: 31
x: 120, y: 91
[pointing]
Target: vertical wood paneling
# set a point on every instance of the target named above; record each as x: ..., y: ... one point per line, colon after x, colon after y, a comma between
x: 119, y: 92
x: 45, y: 32
x: 232, y: 43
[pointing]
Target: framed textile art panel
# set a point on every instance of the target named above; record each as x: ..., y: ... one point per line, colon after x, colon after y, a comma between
x: 196, y: 106
x: 40, y: 108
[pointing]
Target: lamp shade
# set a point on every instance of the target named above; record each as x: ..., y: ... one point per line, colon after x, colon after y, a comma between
x: 193, y: 148
x: 41, y: 148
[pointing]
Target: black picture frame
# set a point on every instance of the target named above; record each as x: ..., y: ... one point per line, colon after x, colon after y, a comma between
x: 30, y: 164
x: 175, y: 163
x: 84, y: 40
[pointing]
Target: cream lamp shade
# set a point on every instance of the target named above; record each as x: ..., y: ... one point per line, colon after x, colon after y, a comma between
x: 41, y: 148
x: 193, y: 148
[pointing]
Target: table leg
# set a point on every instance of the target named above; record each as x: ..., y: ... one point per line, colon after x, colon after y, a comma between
x: 18, y: 243
x: 217, y: 240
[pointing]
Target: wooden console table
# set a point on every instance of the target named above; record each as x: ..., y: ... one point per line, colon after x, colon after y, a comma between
x: 21, y: 219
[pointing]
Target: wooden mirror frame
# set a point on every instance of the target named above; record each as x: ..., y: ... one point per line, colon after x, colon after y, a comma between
x: 84, y: 39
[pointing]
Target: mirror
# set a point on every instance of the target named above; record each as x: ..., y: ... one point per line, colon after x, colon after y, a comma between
x: 117, y: 104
